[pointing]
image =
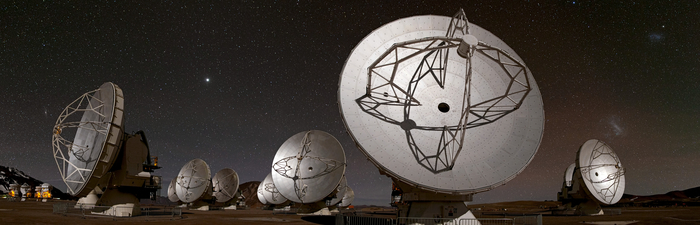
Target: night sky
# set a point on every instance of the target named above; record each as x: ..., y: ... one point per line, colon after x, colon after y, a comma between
x: 230, y: 81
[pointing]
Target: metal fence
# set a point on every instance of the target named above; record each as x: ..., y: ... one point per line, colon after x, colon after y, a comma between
x: 521, y: 220
x: 84, y: 210
x: 612, y: 211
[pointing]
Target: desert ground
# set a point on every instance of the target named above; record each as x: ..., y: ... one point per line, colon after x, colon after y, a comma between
x: 32, y: 212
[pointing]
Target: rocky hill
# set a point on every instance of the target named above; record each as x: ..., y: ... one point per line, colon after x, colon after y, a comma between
x: 250, y: 192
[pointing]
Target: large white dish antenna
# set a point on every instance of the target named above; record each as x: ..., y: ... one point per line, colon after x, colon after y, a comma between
x: 342, y: 187
x: 225, y: 184
x: 270, y: 192
x: 172, y: 195
x: 193, y: 181
x: 569, y: 174
x: 601, y: 171
x: 308, y: 166
x: 348, y: 198
x: 441, y: 104
x: 94, y: 124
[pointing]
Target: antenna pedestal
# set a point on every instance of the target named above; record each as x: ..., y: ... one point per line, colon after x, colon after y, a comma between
x: 314, y: 208
x: 576, y: 201
x: 121, y: 204
x: 414, y: 202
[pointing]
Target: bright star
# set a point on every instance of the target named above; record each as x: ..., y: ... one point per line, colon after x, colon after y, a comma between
x: 207, y: 79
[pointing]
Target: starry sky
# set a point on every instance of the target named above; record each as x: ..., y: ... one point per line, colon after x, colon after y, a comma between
x: 230, y: 81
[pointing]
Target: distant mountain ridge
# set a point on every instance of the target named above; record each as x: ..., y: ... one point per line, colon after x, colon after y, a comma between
x: 686, y: 197
x: 10, y: 175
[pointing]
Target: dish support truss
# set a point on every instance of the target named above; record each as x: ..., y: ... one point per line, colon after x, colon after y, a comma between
x: 611, y: 182
x: 78, y: 163
x: 270, y: 187
x: 433, y: 53
x: 294, y: 171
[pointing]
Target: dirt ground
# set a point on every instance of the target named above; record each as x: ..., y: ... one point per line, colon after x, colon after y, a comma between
x: 33, y: 212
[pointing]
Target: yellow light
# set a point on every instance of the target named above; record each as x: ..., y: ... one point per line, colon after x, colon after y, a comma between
x: 12, y: 193
x: 46, y: 195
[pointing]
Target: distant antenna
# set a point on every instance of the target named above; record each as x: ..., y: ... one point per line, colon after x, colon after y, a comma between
x: 225, y: 185
x: 348, y: 198
x: 172, y: 195
x: 569, y: 174
x: 193, y: 182
x: 261, y: 190
x: 308, y: 166
x: 598, y: 178
x: 95, y: 157
x: 341, y: 189
x: 271, y: 193
x: 443, y: 107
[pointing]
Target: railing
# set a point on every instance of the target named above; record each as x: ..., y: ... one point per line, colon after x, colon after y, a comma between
x: 285, y: 211
x: 114, y: 212
x: 521, y: 220
x: 612, y: 211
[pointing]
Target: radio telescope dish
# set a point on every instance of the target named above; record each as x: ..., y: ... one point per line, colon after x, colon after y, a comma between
x: 172, y: 195
x: 308, y: 166
x: 261, y: 190
x: 225, y: 185
x: 97, y: 135
x: 270, y: 191
x: 441, y: 104
x: 348, y: 198
x: 601, y: 171
x: 95, y: 157
x: 341, y: 189
x: 569, y: 174
x: 193, y: 181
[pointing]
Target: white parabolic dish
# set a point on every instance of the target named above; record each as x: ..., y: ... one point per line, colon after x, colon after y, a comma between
x: 342, y: 187
x: 261, y: 190
x: 308, y: 166
x: 225, y: 184
x: 601, y: 171
x: 270, y: 192
x: 569, y: 174
x: 172, y: 195
x: 193, y: 181
x: 348, y: 198
x: 95, y: 135
x: 416, y: 103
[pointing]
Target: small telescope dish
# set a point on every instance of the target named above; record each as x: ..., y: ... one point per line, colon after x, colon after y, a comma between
x: 172, y: 196
x: 569, y: 174
x: 341, y: 189
x: 308, y: 166
x: 597, y: 177
x: 261, y: 197
x: 347, y: 198
x: 270, y: 192
x: 225, y: 185
x: 193, y: 181
x: 601, y: 171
